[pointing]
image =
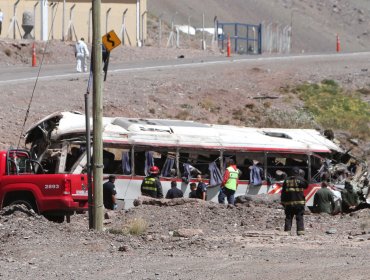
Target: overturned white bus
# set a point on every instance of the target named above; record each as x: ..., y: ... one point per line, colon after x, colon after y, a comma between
x: 182, y: 149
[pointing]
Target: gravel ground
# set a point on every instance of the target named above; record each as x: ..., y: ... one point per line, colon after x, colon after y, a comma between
x: 190, y: 240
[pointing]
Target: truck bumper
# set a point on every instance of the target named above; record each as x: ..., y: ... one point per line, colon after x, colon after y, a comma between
x: 63, y: 205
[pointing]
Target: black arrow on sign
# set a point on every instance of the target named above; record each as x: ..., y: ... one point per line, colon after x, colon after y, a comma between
x: 109, y: 40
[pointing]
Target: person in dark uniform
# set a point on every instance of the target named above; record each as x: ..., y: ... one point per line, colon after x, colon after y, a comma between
x: 193, y: 190
x: 174, y: 192
x: 109, y: 193
x: 151, y: 185
x: 201, y: 191
x: 350, y: 198
x: 293, y: 200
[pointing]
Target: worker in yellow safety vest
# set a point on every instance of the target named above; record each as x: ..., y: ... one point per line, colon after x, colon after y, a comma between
x: 229, y: 183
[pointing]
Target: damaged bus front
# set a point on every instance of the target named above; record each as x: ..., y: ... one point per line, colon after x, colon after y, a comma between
x: 183, y: 149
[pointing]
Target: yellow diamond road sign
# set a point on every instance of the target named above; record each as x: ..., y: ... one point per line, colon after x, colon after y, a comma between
x: 111, y: 40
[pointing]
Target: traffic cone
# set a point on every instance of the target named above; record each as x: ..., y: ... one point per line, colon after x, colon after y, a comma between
x: 228, y: 46
x: 338, y: 43
x: 33, y: 55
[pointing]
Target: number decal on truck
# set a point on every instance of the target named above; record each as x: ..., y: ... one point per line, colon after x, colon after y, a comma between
x: 52, y: 187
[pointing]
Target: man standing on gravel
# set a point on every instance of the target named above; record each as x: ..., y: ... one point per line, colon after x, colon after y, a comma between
x: 193, y: 190
x: 229, y: 183
x: 109, y: 193
x: 350, y: 199
x: 293, y: 200
x: 1, y: 20
x: 174, y: 192
x: 201, y: 188
x: 151, y: 185
x: 82, y: 54
x: 323, y: 201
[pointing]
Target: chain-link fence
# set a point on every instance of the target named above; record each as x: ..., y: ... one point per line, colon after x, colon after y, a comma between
x: 244, y: 38
x: 276, y: 38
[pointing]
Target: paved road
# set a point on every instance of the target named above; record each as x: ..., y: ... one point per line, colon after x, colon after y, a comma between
x: 13, y: 75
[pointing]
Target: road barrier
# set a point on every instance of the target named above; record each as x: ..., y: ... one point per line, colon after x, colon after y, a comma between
x: 33, y: 55
x: 228, y: 46
x: 338, y: 43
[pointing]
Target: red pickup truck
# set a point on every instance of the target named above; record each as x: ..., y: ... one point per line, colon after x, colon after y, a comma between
x: 56, y: 196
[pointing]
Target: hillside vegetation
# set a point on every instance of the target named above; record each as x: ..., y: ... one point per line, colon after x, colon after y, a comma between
x: 334, y: 108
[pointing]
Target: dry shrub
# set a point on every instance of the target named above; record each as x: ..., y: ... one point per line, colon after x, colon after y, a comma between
x: 152, y: 111
x: 186, y: 106
x: 267, y: 104
x: 238, y: 114
x: 285, y: 119
x: 223, y: 121
x: 183, y: 115
x: 256, y: 70
x: 137, y: 226
x: 116, y: 231
x: 285, y: 89
x: 250, y: 105
x: 208, y: 105
x: 364, y: 91
x: 8, y: 52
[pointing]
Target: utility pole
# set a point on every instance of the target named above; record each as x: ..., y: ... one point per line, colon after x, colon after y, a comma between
x: 97, y: 117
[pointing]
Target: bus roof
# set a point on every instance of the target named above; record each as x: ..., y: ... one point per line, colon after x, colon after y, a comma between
x: 178, y: 133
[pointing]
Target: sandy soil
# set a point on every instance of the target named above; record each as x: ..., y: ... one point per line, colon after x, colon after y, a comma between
x: 191, y: 240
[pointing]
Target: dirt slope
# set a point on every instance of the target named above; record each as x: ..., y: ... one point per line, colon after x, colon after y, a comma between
x: 190, y: 240
x: 315, y: 22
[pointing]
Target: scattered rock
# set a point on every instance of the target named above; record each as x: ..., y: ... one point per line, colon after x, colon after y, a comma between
x: 6, y: 211
x: 123, y: 248
x: 187, y: 233
x: 331, y: 231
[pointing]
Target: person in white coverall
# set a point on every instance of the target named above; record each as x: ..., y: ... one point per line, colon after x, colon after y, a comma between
x: 82, y: 53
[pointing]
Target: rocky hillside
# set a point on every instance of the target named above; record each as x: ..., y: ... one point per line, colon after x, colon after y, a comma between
x: 315, y: 22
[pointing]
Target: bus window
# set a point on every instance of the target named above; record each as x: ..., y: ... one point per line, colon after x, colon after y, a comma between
x: 117, y: 161
x: 164, y: 160
x: 279, y: 166
x: 244, y: 162
x: 72, y: 157
x: 197, y: 163
x: 319, y: 168
x: 108, y: 162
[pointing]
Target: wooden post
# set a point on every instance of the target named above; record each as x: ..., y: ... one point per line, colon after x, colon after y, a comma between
x: 97, y: 118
